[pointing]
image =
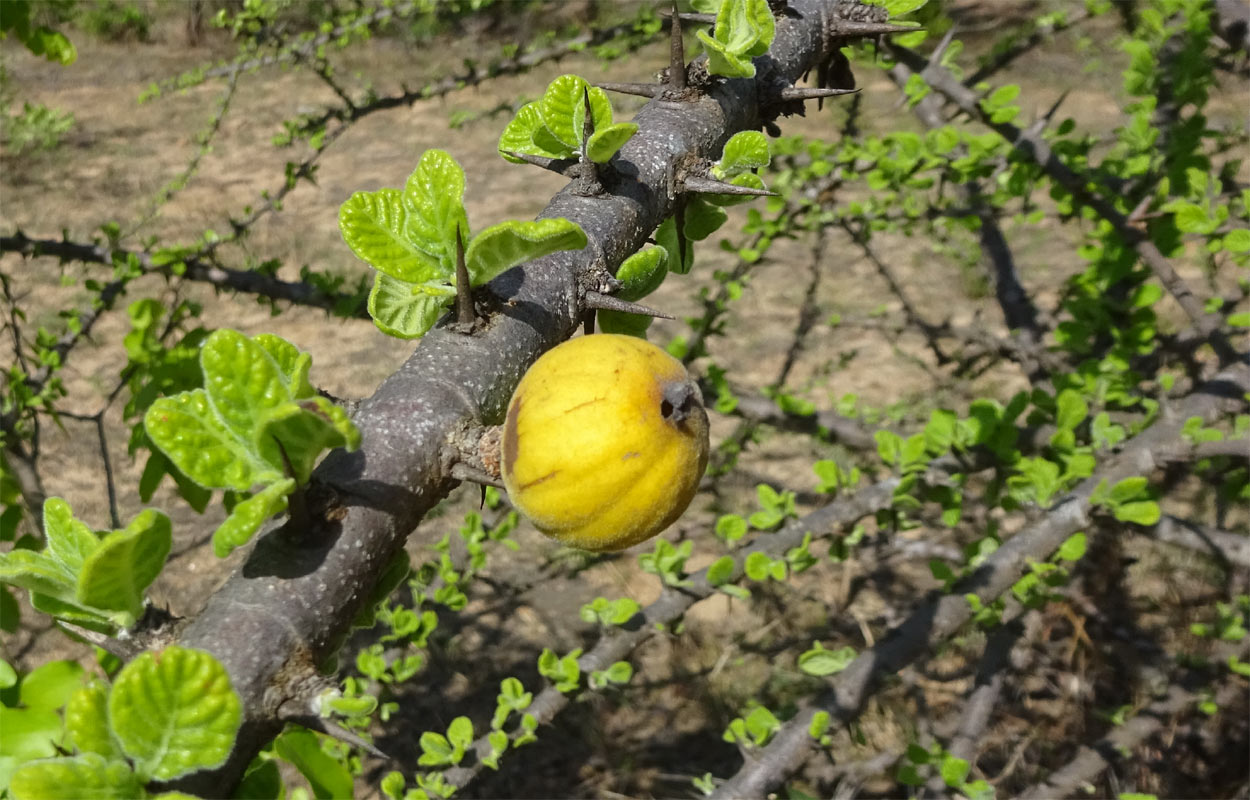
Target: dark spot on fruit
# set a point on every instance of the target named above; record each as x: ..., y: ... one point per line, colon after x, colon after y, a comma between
x: 510, y: 435
x: 630, y: 454
x: 543, y: 479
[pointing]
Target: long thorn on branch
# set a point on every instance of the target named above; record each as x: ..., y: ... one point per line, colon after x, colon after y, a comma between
x: 638, y: 89
x: 676, y: 53
x: 464, y: 293
x: 812, y: 93
x: 606, y: 302
x: 713, y: 186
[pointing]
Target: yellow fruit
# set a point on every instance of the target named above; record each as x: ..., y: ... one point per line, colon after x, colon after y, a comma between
x: 605, y: 442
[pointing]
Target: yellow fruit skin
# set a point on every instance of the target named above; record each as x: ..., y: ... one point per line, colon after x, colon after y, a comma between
x: 592, y: 453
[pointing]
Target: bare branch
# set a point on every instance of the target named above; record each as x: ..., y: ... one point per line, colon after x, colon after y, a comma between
x: 196, y: 269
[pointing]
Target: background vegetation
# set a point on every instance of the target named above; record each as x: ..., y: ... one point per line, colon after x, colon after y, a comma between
x: 976, y: 518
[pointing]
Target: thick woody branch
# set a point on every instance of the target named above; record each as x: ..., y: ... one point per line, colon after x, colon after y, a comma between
x: 298, y: 591
x: 943, y: 614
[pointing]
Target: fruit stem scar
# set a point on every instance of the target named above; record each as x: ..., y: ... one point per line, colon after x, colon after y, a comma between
x: 678, y: 396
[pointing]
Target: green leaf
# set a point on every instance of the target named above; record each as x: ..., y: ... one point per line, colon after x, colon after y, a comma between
x: 1237, y: 241
x: 242, y: 382
x: 70, y: 541
x: 720, y: 571
x: 460, y: 733
x: 434, y: 198
x: 249, y: 515
x: 954, y: 771
x: 642, y: 273
x: 1073, y: 548
x: 435, y: 750
x: 293, y: 364
x: 745, y: 150
x: 406, y: 310
x: 86, y: 722
x: 188, y: 432
x: 88, y: 775
x: 1127, y: 489
x: 721, y: 61
x: 605, y: 142
x: 174, y: 712
x: 745, y: 28
x: 48, y: 687
x: 27, y: 733
x: 328, y: 778
x: 8, y: 675
x: 1144, y: 512
x: 563, y: 109
x: 503, y: 246
x: 120, y: 570
x: 1192, y: 218
x: 819, y: 661
x: 37, y: 573
x: 518, y: 137
x: 375, y: 227
x: 1071, y: 409
x: 898, y: 8
x: 296, y: 434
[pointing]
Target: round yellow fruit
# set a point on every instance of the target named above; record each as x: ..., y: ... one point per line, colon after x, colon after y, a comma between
x: 605, y: 442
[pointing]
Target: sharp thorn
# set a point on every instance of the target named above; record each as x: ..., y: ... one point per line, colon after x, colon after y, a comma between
x: 606, y: 302
x: 333, y: 729
x: 116, y: 647
x: 465, y: 472
x: 464, y: 294
x: 812, y: 93
x: 588, y: 122
x: 677, y: 54
x: 713, y: 186
x: 557, y: 165
x: 688, y: 16
x: 639, y: 89
x: 846, y: 27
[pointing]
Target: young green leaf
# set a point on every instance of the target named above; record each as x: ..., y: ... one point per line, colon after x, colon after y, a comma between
x: 86, y: 775
x: 503, y: 246
x: 434, y: 197
x: 605, y: 142
x: 175, y: 714
x: 406, y: 310
x: 117, y: 574
x: 86, y: 722
x: 518, y: 136
x: 247, y: 517
x: 327, y: 776
x: 375, y: 227
x: 745, y: 151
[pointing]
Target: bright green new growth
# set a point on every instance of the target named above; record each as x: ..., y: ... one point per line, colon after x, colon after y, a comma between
x: 95, y: 579
x: 166, y: 715
x: 744, y: 29
x: 257, y: 421
x: 410, y: 237
x: 743, y: 153
x: 640, y: 275
x: 555, y: 126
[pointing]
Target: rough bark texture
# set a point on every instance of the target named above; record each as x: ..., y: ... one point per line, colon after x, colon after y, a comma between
x: 290, y: 605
